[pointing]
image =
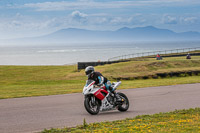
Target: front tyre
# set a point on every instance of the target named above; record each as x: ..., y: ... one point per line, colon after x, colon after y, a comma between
x: 91, y: 105
x: 125, y: 104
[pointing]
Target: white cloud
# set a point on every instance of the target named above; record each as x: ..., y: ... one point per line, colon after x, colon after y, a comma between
x: 189, y: 20
x: 78, y: 16
x: 85, y: 0
x: 99, y: 20
x: 117, y: 20
x: 72, y: 15
x: 169, y: 19
x: 58, y: 6
x: 135, y: 19
x: 30, y: 25
x: 88, y: 4
x: 21, y: 26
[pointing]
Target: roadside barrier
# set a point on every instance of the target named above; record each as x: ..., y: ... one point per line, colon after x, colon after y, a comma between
x: 173, y: 52
x: 126, y: 58
x: 83, y: 65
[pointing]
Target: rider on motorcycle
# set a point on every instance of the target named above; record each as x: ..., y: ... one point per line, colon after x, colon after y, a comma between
x: 100, y: 80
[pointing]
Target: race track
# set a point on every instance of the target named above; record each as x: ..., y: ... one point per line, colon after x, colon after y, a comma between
x: 33, y: 114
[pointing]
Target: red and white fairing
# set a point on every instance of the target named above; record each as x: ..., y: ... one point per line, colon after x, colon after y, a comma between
x: 99, y: 92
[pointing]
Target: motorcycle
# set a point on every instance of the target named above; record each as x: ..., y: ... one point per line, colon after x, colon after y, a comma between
x: 98, y: 98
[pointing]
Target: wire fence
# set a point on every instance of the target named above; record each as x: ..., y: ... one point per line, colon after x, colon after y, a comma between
x: 154, y: 53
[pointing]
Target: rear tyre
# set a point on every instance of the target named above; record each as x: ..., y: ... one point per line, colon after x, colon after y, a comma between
x: 125, y: 104
x: 91, y: 107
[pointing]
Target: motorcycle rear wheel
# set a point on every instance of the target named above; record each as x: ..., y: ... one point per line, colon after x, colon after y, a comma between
x: 125, y: 105
x: 92, y: 108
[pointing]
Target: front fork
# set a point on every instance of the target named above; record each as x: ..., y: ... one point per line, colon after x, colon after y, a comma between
x: 93, y: 100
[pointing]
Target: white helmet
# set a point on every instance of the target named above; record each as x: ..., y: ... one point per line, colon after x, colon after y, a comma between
x: 89, y: 70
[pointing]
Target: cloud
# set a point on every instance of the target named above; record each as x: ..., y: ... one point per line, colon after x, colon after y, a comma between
x: 122, y: 20
x: 89, y: 4
x: 169, y: 19
x: 98, y: 15
x: 117, y: 20
x: 189, y: 20
x: 78, y: 16
x: 132, y: 20
x: 99, y: 20
x: 25, y: 27
x: 22, y: 22
x: 58, y: 6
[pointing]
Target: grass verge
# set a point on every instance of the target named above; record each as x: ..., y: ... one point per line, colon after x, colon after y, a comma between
x: 26, y: 81
x: 57, y: 87
x: 177, y: 121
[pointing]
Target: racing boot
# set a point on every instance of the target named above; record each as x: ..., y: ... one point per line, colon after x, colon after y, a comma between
x: 118, y: 98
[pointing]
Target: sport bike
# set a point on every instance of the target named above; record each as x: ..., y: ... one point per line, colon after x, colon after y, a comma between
x: 98, y: 98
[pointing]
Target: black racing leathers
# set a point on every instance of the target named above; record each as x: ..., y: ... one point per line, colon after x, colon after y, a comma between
x: 98, y: 78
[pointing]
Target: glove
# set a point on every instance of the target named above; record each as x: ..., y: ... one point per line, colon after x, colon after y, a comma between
x: 99, y: 84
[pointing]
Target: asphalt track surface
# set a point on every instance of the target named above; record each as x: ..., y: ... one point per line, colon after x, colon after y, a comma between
x: 33, y: 114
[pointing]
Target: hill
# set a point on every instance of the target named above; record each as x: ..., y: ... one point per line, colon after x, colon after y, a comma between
x: 125, y: 34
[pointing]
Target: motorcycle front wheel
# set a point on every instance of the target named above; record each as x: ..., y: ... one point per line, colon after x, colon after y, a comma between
x: 125, y: 105
x: 91, y: 105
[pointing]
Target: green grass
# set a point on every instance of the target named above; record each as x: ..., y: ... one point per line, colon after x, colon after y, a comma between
x: 179, y: 121
x: 151, y: 67
x: 26, y: 81
x: 126, y: 84
x: 62, y: 87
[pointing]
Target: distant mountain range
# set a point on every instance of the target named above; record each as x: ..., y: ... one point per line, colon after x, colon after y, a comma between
x: 149, y: 33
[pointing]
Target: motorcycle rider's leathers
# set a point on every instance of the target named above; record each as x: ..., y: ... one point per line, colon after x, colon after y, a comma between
x: 100, y: 80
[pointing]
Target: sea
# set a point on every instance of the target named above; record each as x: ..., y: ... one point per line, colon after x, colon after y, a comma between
x: 67, y: 54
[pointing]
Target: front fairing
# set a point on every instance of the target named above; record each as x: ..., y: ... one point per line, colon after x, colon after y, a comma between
x: 91, y: 90
x: 89, y: 87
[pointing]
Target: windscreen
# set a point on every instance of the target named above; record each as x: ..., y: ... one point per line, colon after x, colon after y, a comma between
x: 89, y: 82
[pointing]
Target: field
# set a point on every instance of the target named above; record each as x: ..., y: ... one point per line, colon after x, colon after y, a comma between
x: 178, y: 121
x: 26, y: 81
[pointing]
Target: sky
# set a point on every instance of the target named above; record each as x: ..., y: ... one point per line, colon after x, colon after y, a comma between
x: 29, y: 18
